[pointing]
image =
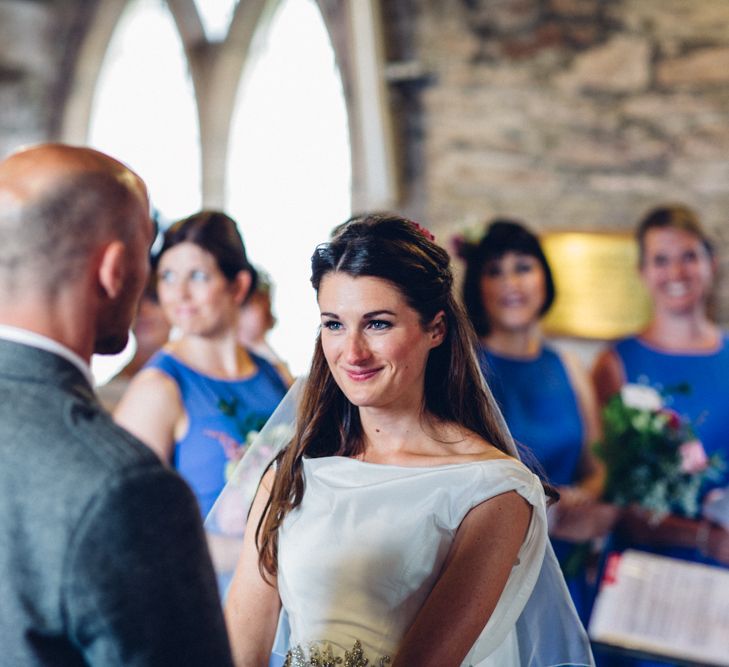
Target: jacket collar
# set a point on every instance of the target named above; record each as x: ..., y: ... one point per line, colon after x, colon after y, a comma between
x: 34, y: 339
x: 29, y: 363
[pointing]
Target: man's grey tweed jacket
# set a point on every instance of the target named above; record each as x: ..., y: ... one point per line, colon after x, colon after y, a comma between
x: 102, y: 555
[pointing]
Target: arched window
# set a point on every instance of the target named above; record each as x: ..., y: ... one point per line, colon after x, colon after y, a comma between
x: 143, y: 112
x: 240, y: 106
x: 144, y: 109
x: 289, y: 167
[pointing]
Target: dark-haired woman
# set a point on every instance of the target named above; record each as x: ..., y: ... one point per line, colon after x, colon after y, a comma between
x: 396, y: 528
x: 545, y: 394
x: 197, y: 399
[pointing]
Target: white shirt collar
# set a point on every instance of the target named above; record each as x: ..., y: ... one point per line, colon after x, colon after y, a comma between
x: 26, y: 337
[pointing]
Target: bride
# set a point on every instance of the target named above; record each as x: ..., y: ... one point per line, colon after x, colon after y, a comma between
x: 397, y: 528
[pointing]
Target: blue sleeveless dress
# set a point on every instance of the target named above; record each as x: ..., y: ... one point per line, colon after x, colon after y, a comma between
x: 707, y: 375
x: 541, y: 410
x: 707, y: 404
x: 220, y: 413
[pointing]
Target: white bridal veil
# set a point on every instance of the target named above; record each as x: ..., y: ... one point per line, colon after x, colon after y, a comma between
x: 549, y: 632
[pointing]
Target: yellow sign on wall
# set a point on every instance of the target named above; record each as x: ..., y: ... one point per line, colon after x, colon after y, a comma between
x: 599, y: 291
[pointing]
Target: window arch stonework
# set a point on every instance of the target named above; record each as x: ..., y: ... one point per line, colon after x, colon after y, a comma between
x: 216, y: 67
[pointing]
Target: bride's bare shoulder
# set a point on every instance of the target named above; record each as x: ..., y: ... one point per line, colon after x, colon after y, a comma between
x: 466, y: 446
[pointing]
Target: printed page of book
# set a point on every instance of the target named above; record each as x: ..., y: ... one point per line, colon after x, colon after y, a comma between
x: 664, y: 606
x: 716, y: 507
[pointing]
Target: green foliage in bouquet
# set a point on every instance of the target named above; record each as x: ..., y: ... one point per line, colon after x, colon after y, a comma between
x: 247, y: 425
x: 652, y: 456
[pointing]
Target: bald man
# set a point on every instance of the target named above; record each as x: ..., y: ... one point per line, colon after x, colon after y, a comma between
x: 102, y: 554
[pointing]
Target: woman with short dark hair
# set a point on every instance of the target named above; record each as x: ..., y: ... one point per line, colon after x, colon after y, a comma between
x: 546, y: 395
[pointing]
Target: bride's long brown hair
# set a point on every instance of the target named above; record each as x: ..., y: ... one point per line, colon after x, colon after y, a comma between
x: 397, y: 250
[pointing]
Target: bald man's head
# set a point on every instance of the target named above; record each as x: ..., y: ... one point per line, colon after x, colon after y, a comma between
x: 31, y: 172
x: 57, y: 204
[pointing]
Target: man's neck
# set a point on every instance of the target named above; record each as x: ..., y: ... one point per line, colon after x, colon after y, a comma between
x: 64, y: 323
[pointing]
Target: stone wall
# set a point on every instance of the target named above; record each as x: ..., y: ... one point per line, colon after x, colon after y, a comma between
x: 38, y: 45
x: 571, y: 114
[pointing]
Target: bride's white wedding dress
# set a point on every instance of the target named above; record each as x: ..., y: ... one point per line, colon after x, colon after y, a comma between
x: 362, y: 551
x: 359, y: 556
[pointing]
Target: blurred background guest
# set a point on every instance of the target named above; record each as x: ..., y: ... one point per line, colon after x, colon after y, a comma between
x: 256, y: 319
x: 545, y: 394
x: 198, y: 398
x: 679, y: 348
x: 685, y: 356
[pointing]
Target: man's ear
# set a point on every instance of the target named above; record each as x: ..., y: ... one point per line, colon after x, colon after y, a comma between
x: 112, y: 269
x: 241, y: 286
x: 438, y: 329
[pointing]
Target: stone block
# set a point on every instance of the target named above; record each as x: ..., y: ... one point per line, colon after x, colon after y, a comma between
x: 683, y: 119
x: 656, y: 106
x: 624, y: 151
x: 621, y: 183
x: 705, y: 146
x: 25, y: 31
x: 703, y: 176
x: 546, y: 36
x: 702, y: 67
x: 675, y: 21
x: 581, y: 35
x: 620, y: 66
x: 500, y: 122
x: 504, y: 16
x: 582, y: 8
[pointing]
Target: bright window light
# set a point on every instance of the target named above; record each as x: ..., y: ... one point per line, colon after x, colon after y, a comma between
x: 289, y: 168
x: 144, y: 110
x: 216, y: 16
x: 144, y: 114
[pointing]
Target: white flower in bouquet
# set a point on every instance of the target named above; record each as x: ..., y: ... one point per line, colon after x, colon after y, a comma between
x: 641, y: 397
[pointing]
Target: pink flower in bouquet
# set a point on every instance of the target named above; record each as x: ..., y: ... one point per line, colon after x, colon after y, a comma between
x: 693, y: 457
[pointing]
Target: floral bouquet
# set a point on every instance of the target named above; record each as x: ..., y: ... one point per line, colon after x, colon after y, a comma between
x: 652, y: 456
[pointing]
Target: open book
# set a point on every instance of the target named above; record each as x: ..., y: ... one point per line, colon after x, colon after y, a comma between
x: 664, y: 606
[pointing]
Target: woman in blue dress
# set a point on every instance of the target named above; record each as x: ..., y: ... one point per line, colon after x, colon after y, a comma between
x: 544, y: 393
x: 680, y: 346
x: 199, y: 397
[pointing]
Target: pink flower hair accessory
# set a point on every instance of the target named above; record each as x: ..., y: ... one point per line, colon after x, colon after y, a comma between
x: 425, y: 232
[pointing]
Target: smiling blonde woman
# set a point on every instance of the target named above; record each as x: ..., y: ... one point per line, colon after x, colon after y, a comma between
x: 684, y: 355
